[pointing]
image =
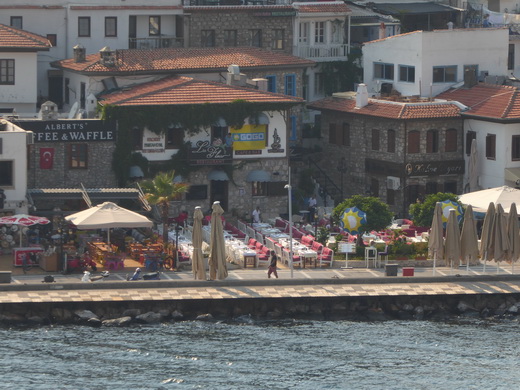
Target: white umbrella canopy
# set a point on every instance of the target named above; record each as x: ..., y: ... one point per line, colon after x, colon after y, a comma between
x: 452, y: 246
x: 197, y: 262
x: 436, y: 240
x: 469, y: 238
x: 217, y: 250
x: 486, y: 239
x: 513, y: 233
x: 106, y: 216
x: 480, y: 199
x: 500, y: 238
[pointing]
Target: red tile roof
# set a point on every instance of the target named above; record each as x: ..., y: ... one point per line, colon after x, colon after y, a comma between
x: 178, y: 90
x: 322, y: 7
x: 487, y: 100
x: 13, y: 39
x: 180, y: 59
x: 124, y: 7
x: 390, y: 110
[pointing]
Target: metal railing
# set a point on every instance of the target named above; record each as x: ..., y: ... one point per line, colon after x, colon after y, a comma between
x: 155, y: 43
x: 332, y: 51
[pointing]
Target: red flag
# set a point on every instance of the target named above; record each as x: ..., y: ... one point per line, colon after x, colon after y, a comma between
x: 46, y: 158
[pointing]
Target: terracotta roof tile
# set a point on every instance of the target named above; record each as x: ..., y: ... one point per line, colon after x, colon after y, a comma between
x: 245, y: 8
x: 15, y: 39
x: 178, y: 90
x: 322, y: 7
x: 124, y: 7
x: 195, y: 59
x: 487, y: 100
x: 390, y: 110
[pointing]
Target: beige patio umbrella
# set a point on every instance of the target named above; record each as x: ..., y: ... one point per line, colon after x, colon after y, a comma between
x: 217, y: 245
x: 197, y: 262
x: 486, y: 241
x: 500, y: 238
x: 513, y: 233
x: 436, y: 240
x: 452, y: 245
x: 473, y: 167
x: 469, y: 238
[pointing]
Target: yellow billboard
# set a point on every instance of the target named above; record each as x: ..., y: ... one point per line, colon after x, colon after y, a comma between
x: 249, y: 137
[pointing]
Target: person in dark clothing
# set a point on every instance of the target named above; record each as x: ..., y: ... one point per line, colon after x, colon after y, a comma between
x: 272, y: 266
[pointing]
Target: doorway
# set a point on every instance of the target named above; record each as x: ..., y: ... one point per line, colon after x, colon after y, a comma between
x: 219, y: 191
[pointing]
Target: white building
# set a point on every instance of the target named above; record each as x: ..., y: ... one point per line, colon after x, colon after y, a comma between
x: 426, y: 63
x: 13, y: 167
x: 18, y: 68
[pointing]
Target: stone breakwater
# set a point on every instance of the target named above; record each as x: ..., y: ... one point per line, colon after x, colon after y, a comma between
x: 357, y: 300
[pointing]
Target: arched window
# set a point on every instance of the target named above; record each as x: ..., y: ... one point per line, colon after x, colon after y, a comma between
x: 451, y: 140
x: 414, y: 138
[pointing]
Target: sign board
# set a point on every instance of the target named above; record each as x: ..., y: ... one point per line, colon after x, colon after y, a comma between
x: 346, y: 248
x: 72, y: 130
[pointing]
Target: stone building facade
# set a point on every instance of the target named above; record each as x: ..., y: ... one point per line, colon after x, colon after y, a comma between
x: 397, y: 157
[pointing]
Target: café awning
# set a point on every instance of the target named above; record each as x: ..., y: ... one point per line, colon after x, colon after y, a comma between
x: 218, y: 175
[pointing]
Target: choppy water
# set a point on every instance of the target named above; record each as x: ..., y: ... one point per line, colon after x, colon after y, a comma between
x: 267, y: 355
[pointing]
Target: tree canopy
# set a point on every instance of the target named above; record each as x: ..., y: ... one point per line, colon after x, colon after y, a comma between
x: 422, y: 213
x: 378, y: 214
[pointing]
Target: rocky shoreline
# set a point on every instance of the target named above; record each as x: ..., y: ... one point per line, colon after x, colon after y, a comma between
x: 382, y: 308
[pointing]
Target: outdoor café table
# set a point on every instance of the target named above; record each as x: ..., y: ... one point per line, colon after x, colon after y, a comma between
x: 270, y: 231
x: 308, y: 255
x: 279, y: 236
x: 261, y: 225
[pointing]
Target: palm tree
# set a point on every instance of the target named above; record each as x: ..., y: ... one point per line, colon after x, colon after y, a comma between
x: 160, y: 191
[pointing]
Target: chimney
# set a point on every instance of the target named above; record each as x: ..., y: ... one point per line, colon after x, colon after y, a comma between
x: 234, y: 77
x: 470, y: 78
x: 108, y: 57
x: 79, y: 53
x: 361, y: 96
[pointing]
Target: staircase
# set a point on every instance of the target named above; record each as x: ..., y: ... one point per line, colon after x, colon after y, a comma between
x: 327, y: 185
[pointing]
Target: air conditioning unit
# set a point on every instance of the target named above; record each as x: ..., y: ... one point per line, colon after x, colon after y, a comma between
x: 393, y: 183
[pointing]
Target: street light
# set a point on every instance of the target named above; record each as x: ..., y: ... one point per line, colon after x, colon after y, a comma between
x: 342, y: 167
x: 289, y: 190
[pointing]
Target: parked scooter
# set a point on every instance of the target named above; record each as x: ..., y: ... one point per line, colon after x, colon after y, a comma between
x: 148, y: 276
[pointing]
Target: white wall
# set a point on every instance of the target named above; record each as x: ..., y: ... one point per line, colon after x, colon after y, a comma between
x: 487, y: 48
x: 21, y: 95
x: 491, y: 172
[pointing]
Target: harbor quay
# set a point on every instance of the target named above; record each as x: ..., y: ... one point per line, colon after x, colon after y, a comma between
x: 318, y: 294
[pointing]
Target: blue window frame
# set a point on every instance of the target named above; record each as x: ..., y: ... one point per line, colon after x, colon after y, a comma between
x: 292, y: 137
x: 271, y: 83
x: 290, y: 85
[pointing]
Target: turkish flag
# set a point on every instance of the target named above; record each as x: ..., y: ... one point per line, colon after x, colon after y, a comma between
x: 46, y: 158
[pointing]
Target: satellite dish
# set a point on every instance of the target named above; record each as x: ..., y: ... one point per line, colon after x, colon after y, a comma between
x: 73, y: 111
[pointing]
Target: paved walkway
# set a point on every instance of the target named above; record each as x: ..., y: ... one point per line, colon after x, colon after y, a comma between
x: 253, y: 283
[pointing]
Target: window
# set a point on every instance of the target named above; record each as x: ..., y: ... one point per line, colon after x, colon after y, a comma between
x: 174, y: 137
x: 259, y: 188
x: 53, y: 39
x: 515, y: 148
x: 346, y: 134
x: 110, y: 26
x: 137, y: 138
x: 271, y: 83
x: 451, y: 187
x: 197, y: 192
x: 319, y: 85
x: 332, y: 133
x: 67, y: 91
x: 431, y: 187
x: 219, y: 132
x: 17, y: 22
x: 413, y: 141
x: 390, y: 141
x: 84, y: 26
x: 207, y: 38
x: 278, y: 39
x: 6, y: 72
x: 511, y: 57
x: 303, y: 36
x: 375, y: 139
x: 290, y: 85
x: 432, y: 141
x: 78, y: 154
x: 490, y: 146
x: 407, y: 73
x: 319, y: 32
x: 256, y: 38
x: 444, y: 74
x: 451, y: 140
x: 154, y: 26
x: 6, y: 174
x: 383, y: 71
x: 470, y: 136
x: 374, y: 187
x: 230, y: 38
x: 390, y: 196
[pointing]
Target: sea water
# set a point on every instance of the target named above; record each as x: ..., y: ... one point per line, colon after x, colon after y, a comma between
x: 246, y: 354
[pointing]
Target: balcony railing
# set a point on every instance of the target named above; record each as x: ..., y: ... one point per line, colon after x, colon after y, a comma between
x: 155, y: 43
x: 240, y: 2
x: 323, y: 52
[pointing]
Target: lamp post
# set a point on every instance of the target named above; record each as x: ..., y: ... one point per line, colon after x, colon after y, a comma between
x: 289, y: 190
x: 342, y: 167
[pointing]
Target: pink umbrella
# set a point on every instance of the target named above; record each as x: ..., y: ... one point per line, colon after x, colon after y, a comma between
x: 23, y: 220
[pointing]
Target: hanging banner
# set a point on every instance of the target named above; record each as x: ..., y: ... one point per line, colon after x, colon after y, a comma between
x: 46, y: 158
x: 249, y: 137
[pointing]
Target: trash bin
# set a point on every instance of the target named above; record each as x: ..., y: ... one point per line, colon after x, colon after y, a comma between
x: 391, y: 269
x: 408, y: 271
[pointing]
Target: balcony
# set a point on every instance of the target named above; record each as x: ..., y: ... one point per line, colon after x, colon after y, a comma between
x: 321, y: 53
x: 155, y: 42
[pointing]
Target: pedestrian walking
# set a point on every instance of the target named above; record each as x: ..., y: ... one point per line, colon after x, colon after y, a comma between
x: 272, y: 266
x: 256, y: 215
